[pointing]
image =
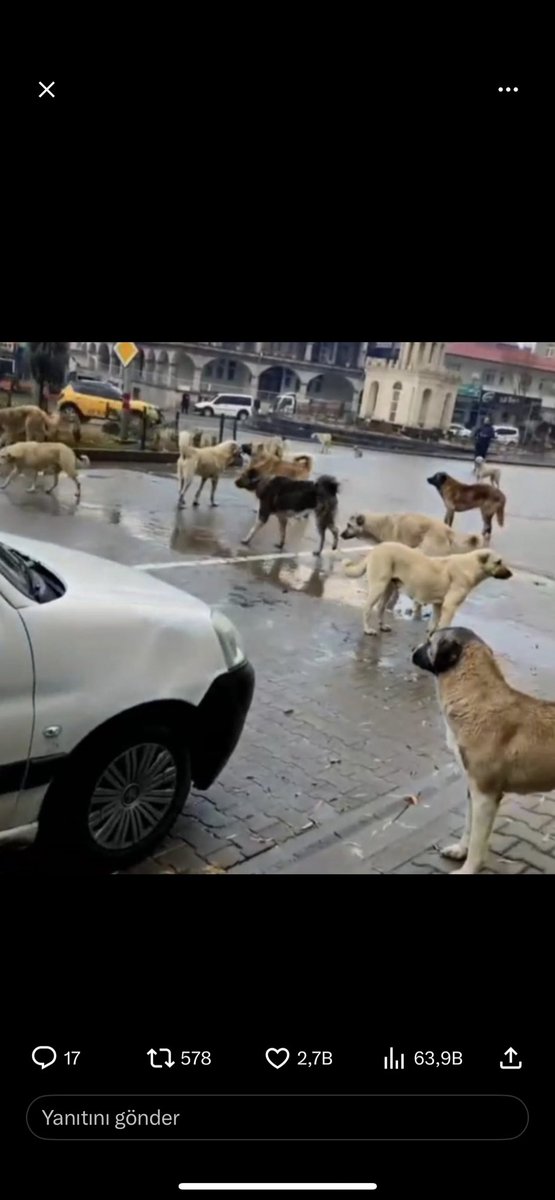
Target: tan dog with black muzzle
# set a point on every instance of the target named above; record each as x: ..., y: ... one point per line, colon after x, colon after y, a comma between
x: 503, y: 739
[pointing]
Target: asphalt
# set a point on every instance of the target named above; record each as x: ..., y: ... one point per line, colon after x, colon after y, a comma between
x: 300, y: 620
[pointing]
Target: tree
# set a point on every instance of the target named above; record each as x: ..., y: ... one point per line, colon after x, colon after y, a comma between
x: 48, y: 365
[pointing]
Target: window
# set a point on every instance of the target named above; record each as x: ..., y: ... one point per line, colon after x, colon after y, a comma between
x: 220, y: 370
x: 501, y: 379
x: 488, y: 376
x: 231, y: 369
x: 550, y: 352
x: 395, y: 401
x: 208, y: 371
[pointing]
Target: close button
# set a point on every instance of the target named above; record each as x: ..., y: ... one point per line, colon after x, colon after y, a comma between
x: 46, y: 89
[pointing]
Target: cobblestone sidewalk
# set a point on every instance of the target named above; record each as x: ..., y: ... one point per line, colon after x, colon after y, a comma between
x: 344, y: 735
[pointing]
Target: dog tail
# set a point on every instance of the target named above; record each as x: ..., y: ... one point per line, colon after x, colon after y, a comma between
x: 83, y: 461
x: 328, y: 485
x: 356, y: 569
x: 500, y: 510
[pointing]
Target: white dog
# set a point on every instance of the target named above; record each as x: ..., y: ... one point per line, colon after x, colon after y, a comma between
x: 325, y: 440
x: 42, y: 458
x: 482, y: 471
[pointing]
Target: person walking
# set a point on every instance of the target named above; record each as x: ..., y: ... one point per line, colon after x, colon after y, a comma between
x: 185, y: 402
x: 483, y: 437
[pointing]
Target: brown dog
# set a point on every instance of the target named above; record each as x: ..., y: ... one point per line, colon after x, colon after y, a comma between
x: 460, y: 497
x: 503, y: 739
x: 29, y: 423
x: 269, y: 464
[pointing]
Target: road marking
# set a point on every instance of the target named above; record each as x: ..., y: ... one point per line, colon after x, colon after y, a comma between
x: 278, y: 1187
x: 239, y: 558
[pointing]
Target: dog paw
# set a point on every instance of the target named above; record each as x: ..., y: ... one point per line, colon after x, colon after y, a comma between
x: 371, y: 632
x: 385, y: 628
x: 244, y: 541
x: 213, y: 504
x: 457, y: 851
x: 195, y: 503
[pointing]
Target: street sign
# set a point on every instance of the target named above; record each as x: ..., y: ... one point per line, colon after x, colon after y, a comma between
x: 126, y: 352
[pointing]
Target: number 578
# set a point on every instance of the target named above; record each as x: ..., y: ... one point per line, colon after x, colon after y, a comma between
x: 190, y: 1058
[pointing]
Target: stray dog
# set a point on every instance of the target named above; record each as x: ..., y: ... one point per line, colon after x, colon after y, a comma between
x: 46, y: 457
x: 411, y: 529
x: 208, y: 463
x: 460, y: 497
x: 423, y: 533
x: 503, y: 739
x: 286, y: 498
x: 442, y: 582
x: 29, y: 423
x: 325, y: 440
x: 275, y: 446
x: 164, y: 439
x: 482, y: 471
x: 299, y: 467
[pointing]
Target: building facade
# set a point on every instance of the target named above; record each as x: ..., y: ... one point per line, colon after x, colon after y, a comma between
x: 545, y: 349
x: 415, y: 389
x: 317, y: 372
x: 515, y: 386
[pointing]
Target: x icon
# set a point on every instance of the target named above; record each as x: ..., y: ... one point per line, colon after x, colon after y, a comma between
x: 46, y: 89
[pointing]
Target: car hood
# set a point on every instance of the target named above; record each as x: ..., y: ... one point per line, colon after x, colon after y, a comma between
x: 99, y: 579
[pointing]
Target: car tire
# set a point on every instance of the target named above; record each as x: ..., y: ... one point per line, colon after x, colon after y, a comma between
x: 72, y: 411
x: 242, y: 415
x: 95, y: 812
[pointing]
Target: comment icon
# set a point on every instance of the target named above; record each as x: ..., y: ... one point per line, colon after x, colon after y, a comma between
x: 44, y: 1056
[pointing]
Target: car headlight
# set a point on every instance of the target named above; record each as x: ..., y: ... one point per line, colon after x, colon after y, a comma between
x: 228, y: 638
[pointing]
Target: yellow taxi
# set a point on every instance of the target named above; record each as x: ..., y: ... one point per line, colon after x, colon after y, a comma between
x: 83, y: 401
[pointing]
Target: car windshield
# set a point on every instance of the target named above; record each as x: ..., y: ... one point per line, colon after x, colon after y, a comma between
x: 28, y: 576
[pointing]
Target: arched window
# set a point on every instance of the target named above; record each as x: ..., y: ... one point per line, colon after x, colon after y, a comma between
x: 395, y: 397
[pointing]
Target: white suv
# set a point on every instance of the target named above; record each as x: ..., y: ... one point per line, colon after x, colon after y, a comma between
x: 506, y: 435
x: 112, y: 687
x: 227, y: 404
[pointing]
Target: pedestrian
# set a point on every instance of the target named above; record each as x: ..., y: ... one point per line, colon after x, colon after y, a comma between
x: 125, y: 415
x: 256, y: 405
x: 185, y: 401
x: 484, y: 435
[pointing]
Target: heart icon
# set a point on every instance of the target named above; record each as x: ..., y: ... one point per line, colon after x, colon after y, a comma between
x: 277, y: 1058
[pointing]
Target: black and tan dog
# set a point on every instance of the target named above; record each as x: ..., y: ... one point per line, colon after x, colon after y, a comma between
x: 285, y: 498
x: 503, y: 739
x: 461, y: 497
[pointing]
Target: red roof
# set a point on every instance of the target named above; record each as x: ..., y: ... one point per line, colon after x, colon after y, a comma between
x: 508, y: 355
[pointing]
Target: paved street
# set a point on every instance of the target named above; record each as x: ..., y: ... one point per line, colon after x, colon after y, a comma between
x: 342, y: 766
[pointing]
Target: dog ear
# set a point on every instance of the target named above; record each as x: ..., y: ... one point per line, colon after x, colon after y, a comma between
x: 445, y: 650
x: 359, y: 520
x: 484, y: 557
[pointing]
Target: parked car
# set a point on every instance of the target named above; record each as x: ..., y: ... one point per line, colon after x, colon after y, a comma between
x: 84, y: 401
x: 459, y: 431
x: 228, y: 404
x: 118, y: 692
x: 506, y: 435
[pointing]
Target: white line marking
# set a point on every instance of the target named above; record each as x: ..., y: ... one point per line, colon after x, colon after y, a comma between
x: 278, y: 1187
x: 225, y: 562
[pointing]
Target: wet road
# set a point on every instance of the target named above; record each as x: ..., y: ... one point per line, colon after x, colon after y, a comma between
x: 131, y: 516
x: 301, y: 623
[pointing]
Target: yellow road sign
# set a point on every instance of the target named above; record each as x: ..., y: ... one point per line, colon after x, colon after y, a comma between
x: 126, y: 352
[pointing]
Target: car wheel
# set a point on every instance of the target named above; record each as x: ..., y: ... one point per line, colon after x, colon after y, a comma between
x: 118, y: 797
x: 72, y: 411
x: 242, y: 416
